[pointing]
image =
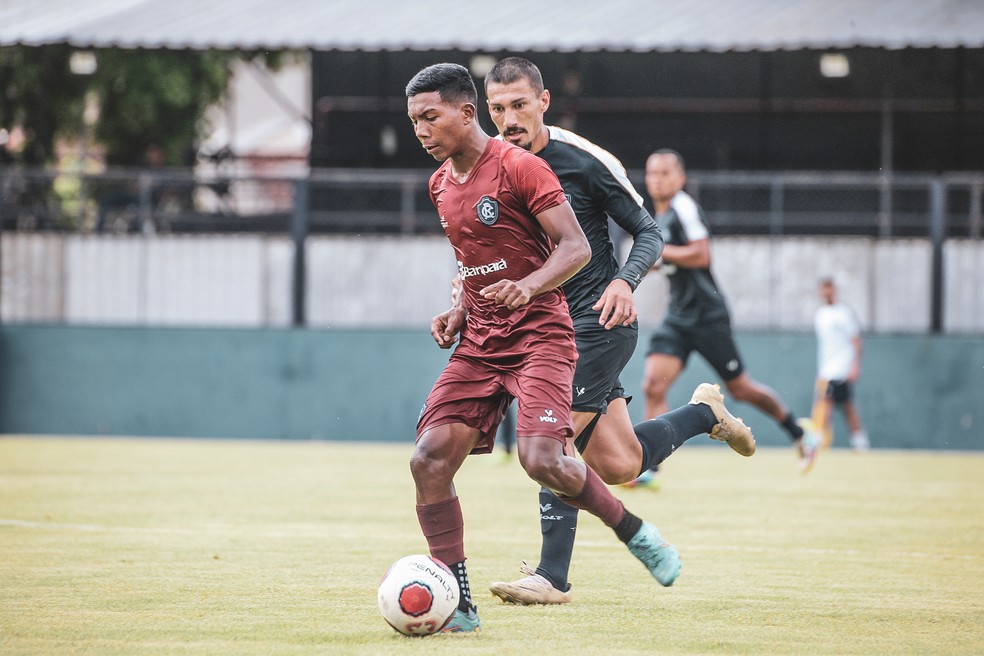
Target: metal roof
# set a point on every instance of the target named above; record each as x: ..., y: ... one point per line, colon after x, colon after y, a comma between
x: 516, y: 25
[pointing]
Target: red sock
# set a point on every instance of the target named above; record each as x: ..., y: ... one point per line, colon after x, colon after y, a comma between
x: 444, y: 529
x: 598, y: 500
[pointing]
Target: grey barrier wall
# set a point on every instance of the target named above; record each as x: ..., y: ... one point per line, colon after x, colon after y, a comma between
x: 917, y: 391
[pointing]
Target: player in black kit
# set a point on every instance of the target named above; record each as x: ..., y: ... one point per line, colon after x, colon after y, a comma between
x: 606, y: 330
x: 697, y: 318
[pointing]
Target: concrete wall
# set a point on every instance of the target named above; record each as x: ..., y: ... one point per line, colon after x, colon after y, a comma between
x: 356, y: 281
x: 916, y: 392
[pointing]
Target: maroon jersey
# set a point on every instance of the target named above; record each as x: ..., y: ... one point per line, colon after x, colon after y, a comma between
x: 489, y: 219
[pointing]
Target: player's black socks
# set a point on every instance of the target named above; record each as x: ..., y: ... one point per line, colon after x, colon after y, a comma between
x: 795, y: 430
x: 661, y: 436
x: 558, y: 523
x: 464, y: 601
x: 628, y: 527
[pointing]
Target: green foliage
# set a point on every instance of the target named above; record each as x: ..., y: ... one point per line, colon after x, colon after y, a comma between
x: 145, y: 97
x: 156, y: 98
x: 42, y: 96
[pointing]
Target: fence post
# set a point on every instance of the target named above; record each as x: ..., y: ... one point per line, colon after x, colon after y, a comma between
x: 408, y: 210
x: 145, y: 202
x: 976, y: 191
x: 776, y: 202
x: 937, y: 234
x: 298, y: 232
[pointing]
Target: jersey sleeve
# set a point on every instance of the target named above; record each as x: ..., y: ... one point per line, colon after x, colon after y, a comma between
x: 624, y: 206
x: 689, y: 214
x: 536, y: 183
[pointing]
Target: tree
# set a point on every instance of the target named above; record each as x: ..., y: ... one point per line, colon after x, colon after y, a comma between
x: 145, y: 97
x: 41, y: 96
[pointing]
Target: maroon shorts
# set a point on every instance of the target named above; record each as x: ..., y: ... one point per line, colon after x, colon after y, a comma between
x: 476, y: 393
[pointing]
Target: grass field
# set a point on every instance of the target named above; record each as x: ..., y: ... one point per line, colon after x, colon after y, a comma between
x: 117, y: 546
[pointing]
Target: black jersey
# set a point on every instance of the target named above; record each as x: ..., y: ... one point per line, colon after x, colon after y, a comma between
x: 598, y: 188
x: 694, y: 295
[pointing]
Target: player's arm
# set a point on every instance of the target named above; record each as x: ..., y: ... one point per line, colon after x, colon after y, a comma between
x: 693, y: 255
x: 624, y: 206
x: 855, y: 371
x: 571, y: 253
x: 696, y: 253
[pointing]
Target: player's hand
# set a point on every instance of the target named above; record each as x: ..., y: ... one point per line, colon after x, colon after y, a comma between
x: 617, y: 305
x: 507, y: 292
x: 446, y: 326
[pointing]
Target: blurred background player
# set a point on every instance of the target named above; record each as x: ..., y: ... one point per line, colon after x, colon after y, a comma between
x: 838, y: 334
x: 516, y: 240
x: 604, y: 316
x: 697, y: 318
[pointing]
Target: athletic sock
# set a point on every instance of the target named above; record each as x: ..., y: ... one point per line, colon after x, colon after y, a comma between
x: 558, y: 523
x: 444, y: 529
x: 465, y: 602
x: 794, y: 429
x: 661, y: 436
x: 597, y: 499
x: 628, y: 527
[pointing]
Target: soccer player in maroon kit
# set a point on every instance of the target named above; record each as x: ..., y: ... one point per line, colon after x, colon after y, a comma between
x: 516, y: 240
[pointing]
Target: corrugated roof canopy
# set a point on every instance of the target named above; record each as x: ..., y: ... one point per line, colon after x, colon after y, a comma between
x: 543, y: 25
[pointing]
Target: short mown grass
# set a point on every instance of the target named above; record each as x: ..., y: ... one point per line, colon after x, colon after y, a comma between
x: 152, y: 546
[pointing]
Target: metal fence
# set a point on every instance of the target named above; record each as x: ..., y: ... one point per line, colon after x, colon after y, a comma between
x: 358, y: 201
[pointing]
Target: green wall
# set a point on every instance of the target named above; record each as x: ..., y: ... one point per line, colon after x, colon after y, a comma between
x: 916, y: 391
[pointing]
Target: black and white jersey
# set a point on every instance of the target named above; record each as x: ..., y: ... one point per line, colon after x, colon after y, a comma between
x: 598, y: 188
x: 694, y: 295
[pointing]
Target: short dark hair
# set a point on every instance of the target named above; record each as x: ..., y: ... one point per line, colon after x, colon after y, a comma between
x: 670, y: 151
x: 452, y: 81
x: 511, y: 69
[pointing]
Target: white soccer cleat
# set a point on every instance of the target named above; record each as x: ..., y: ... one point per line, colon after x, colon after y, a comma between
x: 859, y: 441
x: 729, y: 428
x: 532, y: 589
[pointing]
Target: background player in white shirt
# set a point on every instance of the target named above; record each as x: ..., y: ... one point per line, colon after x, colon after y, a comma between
x: 838, y: 365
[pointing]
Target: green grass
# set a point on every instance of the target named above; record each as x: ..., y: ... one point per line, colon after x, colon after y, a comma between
x: 113, y: 546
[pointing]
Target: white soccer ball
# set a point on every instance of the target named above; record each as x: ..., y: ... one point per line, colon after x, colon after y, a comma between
x: 418, y: 595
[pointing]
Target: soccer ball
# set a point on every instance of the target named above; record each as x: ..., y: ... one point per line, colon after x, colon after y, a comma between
x: 418, y: 595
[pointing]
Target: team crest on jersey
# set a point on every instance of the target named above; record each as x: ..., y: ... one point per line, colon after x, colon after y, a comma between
x: 487, y: 210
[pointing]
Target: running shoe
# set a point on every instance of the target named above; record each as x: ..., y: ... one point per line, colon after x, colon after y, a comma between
x: 808, y: 446
x: 532, y: 589
x: 462, y: 622
x: 660, y: 557
x: 729, y: 428
x: 646, y: 480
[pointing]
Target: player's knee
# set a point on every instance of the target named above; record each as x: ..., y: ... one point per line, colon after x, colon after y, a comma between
x: 543, y: 468
x: 740, y: 390
x: 654, y: 387
x: 616, y: 473
x: 427, y: 465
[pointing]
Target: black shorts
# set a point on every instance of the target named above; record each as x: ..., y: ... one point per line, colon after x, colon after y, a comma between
x: 713, y: 340
x: 601, y: 356
x: 840, y: 391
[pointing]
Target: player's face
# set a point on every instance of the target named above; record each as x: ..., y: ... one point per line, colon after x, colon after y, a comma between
x: 517, y: 111
x: 437, y: 124
x: 663, y: 176
x: 828, y: 293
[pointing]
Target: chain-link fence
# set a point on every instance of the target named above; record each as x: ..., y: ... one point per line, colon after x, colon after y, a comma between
x: 357, y: 201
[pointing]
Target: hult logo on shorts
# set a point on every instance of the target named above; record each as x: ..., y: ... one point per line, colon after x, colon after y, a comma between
x: 487, y: 210
x: 548, y: 417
